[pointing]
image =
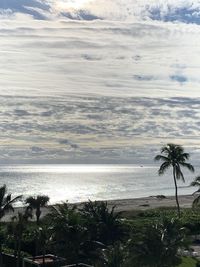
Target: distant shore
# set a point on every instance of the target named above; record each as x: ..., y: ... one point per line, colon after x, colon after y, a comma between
x: 127, y: 205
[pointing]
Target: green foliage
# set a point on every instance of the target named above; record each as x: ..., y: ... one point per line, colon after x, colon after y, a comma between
x: 105, y: 225
x: 188, y: 262
x: 114, y: 256
x: 71, y: 236
x: 11, y: 251
x: 157, y: 246
x: 99, y: 236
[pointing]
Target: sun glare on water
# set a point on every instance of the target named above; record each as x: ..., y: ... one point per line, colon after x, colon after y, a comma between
x: 73, y: 4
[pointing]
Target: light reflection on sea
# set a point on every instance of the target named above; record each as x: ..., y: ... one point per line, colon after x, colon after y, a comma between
x: 77, y: 183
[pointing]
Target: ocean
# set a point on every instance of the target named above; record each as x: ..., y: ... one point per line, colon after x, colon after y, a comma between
x: 75, y: 183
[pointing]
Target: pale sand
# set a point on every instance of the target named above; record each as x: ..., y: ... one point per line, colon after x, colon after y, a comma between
x: 130, y: 204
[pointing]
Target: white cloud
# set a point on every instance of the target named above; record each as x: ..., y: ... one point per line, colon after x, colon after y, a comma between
x: 169, y: 10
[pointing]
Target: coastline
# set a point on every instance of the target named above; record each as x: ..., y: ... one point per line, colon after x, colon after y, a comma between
x: 125, y: 205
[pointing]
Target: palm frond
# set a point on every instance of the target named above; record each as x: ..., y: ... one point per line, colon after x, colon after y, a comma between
x: 2, y: 194
x: 196, y: 202
x: 196, y: 192
x: 165, y: 150
x: 161, y: 157
x: 164, y: 167
x: 178, y: 173
x: 187, y: 165
x: 186, y: 155
x: 196, y: 182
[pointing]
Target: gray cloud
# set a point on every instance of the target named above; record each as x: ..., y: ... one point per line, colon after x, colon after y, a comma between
x: 178, y: 78
x: 81, y: 128
x: 143, y: 77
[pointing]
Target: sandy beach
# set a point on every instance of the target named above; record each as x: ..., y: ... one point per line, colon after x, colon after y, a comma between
x: 127, y: 205
x: 151, y: 202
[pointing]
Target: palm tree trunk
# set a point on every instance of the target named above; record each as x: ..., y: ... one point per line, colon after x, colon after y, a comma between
x: 43, y: 257
x: 38, y: 213
x: 176, y: 193
x: 19, y: 253
x: 1, y: 256
x: 1, y: 244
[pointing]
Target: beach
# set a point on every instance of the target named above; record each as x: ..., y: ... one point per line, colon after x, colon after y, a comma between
x: 151, y: 202
x: 125, y: 205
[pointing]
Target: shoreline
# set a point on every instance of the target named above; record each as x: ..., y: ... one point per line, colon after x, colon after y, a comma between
x: 124, y: 205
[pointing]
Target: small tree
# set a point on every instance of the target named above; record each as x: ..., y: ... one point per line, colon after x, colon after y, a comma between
x: 37, y: 203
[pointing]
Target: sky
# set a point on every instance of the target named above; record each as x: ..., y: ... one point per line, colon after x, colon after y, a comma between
x: 98, y: 81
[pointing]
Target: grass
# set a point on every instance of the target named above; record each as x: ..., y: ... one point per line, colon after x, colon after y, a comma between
x: 188, y: 262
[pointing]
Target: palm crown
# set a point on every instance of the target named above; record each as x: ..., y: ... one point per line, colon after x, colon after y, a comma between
x: 174, y: 156
x: 37, y: 203
x: 6, y: 201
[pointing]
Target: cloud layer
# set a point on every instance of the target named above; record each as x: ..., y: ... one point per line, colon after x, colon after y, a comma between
x: 98, y: 82
x: 94, y: 129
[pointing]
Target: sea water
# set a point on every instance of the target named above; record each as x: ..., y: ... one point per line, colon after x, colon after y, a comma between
x: 77, y: 183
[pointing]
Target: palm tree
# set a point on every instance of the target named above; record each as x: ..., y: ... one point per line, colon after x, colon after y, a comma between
x: 173, y: 156
x: 6, y: 205
x: 71, y: 237
x: 69, y: 232
x: 104, y: 223
x: 37, y: 203
x: 196, y: 182
x: 6, y: 202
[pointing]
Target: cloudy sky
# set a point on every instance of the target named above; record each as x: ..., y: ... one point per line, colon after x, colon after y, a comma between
x: 98, y: 81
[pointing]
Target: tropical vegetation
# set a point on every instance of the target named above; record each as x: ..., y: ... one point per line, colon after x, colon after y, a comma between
x: 95, y: 234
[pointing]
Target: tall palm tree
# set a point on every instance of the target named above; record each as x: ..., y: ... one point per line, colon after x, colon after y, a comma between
x: 37, y: 203
x: 6, y: 201
x: 173, y: 156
